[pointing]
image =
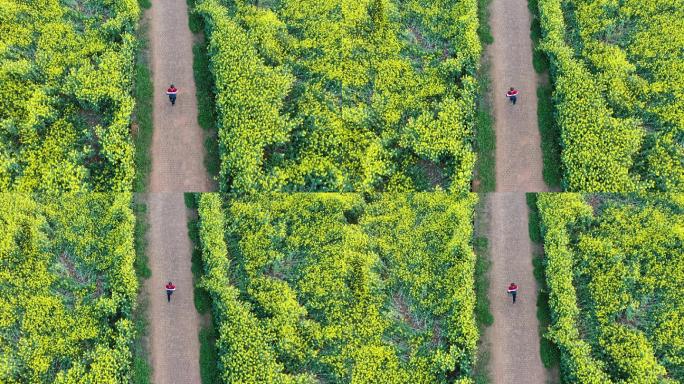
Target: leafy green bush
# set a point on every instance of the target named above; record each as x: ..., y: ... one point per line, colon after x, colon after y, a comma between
x: 619, y: 92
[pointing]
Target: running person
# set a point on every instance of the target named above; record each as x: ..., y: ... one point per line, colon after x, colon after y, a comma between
x: 169, y: 290
x: 512, y: 95
x: 172, y: 92
x: 513, y: 291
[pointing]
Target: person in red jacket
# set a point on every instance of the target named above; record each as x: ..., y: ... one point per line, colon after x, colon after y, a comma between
x: 172, y: 92
x: 513, y: 291
x: 169, y: 290
x: 512, y: 95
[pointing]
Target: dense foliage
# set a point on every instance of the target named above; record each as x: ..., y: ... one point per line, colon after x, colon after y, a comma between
x: 344, y: 95
x: 67, y: 288
x: 618, y: 69
x: 331, y: 288
x: 65, y: 73
x: 615, y: 278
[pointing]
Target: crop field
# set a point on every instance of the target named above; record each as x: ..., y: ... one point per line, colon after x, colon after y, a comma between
x: 344, y: 95
x: 614, y: 267
x: 66, y: 69
x: 311, y: 288
x: 286, y: 191
x: 67, y: 288
x: 618, y: 70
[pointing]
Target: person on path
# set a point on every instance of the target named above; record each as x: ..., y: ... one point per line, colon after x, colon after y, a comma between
x: 169, y: 290
x: 172, y: 92
x: 512, y: 95
x: 513, y: 291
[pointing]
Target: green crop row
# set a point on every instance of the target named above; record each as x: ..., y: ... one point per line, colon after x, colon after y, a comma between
x: 66, y: 72
x: 619, y: 91
x: 328, y: 286
x: 344, y: 96
x: 67, y: 288
x: 614, y: 286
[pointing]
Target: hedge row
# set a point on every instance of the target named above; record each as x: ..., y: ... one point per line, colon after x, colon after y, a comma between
x: 558, y: 212
x: 614, y: 270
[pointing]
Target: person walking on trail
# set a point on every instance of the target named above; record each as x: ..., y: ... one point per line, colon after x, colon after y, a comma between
x: 169, y: 290
x: 513, y: 291
x: 512, y: 95
x: 172, y: 92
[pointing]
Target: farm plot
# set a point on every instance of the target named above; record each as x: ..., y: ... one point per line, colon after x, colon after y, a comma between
x: 312, y: 288
x: 344, y: 95
x: 614, y: 268
x: 66, y: 72
x: 67, y: 288
x: 618, y: 71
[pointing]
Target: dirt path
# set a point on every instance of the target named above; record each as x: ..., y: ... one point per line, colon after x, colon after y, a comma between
x: 518, y: 151
x: 174, y: 326
x: 514, y: 337
x: 177, y: 155
x: 177, y: 141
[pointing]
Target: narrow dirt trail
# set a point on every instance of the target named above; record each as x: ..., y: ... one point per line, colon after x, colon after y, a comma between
x: 518, y: 151
x: 177, y: 141
x: 514, y: 337
x: 174, y: 327
x: 177, y: 155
